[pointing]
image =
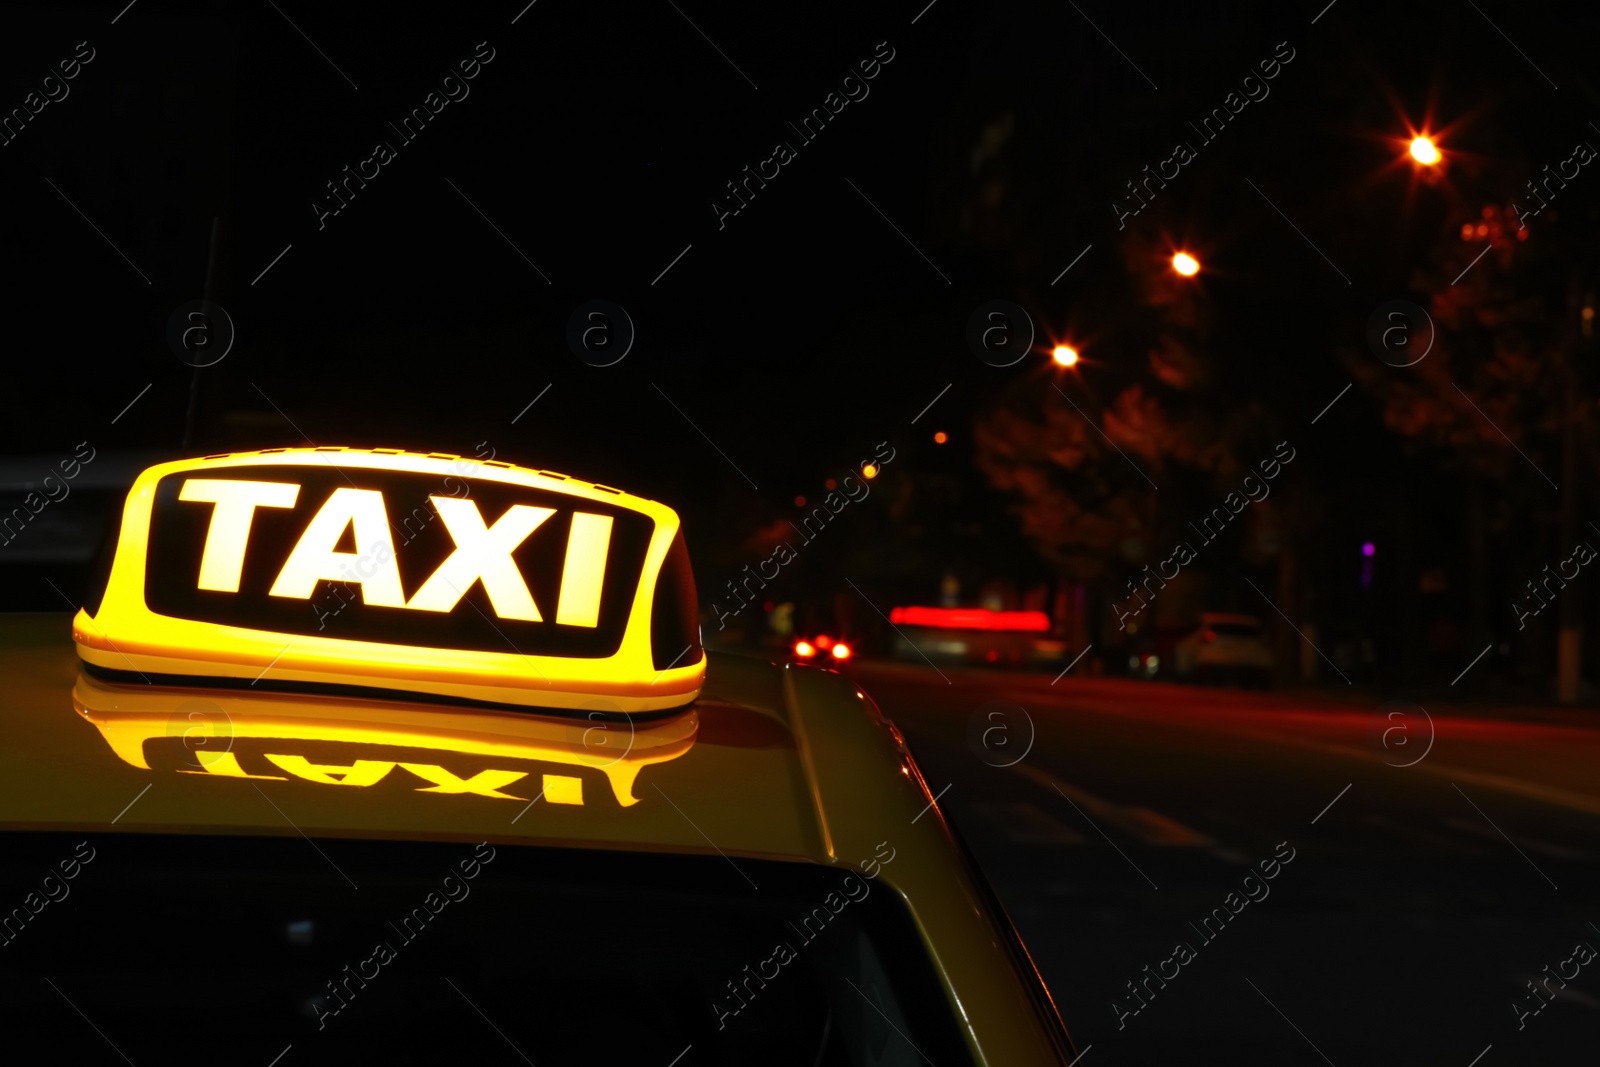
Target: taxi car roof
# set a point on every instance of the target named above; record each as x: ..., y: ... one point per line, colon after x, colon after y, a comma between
x: 740, y: 778
x: 784, y: 763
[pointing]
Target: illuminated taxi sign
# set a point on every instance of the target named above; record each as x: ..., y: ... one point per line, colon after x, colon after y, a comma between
x: 459, y: 579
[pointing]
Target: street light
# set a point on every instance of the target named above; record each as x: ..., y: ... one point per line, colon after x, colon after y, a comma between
x: 1424, y: 151
x: 1185, y: 264
x: 1064, y: 355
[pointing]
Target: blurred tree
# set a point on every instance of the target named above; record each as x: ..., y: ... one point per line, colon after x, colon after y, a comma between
x: 1501, y: 399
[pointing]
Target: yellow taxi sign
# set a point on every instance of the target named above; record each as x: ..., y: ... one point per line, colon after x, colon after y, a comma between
x: 333, y: 568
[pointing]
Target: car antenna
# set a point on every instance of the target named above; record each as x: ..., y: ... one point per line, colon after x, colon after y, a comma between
x: 213, y: 270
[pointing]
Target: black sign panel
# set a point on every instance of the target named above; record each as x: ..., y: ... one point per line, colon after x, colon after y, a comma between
x: 421, y: 541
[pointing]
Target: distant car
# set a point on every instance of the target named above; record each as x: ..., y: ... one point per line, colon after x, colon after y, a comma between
x: 821, y: 650
x: 1226, y: 648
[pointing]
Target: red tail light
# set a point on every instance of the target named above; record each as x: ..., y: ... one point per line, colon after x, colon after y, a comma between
x: 804, y: 649
x: 841, y: 650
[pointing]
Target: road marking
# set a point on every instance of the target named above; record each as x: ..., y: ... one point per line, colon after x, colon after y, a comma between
x: 1110, y: 842
x: 1024, y: 824
x: 1587, y: 803
x: 1553, y: 795
x: 1142, y: 824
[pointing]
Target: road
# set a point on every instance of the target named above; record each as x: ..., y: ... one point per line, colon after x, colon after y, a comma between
x: 1426, y: 865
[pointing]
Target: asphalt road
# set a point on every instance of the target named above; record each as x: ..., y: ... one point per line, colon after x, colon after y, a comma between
x: 1426, y: 866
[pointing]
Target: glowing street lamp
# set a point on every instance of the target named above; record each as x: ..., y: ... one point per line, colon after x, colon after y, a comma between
x: 1424, y: 151
x: 1185, y: 264
x: 1064, y: 355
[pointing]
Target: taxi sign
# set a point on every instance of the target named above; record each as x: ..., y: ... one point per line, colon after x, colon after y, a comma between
x: 339, y: 569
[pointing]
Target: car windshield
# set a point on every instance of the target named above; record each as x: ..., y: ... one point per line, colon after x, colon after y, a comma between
x: 198, y: 949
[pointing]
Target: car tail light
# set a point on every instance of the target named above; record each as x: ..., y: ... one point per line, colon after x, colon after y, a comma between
x: 841, y: 650
x: 804, y: 649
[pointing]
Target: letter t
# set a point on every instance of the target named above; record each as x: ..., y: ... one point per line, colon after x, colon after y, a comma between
x: 222, y: 562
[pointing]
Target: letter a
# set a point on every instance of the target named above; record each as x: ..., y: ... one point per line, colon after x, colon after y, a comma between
x: 314, y: 558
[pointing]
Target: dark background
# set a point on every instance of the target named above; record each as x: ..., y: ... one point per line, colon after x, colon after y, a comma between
x: 820, y: 323
x: 806, y: 330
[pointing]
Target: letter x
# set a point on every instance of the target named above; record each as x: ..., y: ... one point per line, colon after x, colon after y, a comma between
x: 482, y: 553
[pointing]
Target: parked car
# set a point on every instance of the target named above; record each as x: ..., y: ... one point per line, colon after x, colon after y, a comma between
x: 1226, y: 648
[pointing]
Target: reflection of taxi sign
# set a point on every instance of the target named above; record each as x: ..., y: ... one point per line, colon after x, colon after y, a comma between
x: 319, y: 568
x: 366, y: 743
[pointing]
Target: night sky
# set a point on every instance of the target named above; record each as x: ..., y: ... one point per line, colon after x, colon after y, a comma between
x: 777, y: 346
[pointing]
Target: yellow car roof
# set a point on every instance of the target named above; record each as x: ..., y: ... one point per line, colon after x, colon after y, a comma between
x: 778, y: 763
